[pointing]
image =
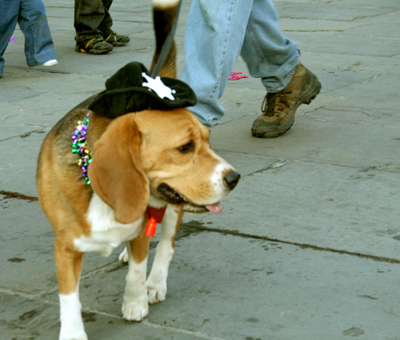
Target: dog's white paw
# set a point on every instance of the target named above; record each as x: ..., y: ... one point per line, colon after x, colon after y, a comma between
x: 123, y: 257
x: 134, y: 311
x: 73, y: 336
x: 156, y: 293
x: 72, y: 326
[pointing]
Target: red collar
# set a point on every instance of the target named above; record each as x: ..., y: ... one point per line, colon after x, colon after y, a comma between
x: 155, y: 215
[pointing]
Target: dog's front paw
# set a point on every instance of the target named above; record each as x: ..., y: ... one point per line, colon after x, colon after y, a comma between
x: 156, y: 293
x: 72, y: 328
x: 73, y: 336
x: 134, y: 311
x: 123, y: 257
x: 83, y: 337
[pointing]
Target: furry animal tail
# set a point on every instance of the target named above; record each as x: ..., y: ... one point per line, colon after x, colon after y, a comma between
x: 164, y: 14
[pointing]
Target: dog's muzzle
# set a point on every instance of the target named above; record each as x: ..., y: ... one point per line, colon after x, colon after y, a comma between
x: 172, y: 196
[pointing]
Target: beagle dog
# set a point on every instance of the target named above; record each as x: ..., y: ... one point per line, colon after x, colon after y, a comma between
x: 153, y: 158
x: 122, y: 158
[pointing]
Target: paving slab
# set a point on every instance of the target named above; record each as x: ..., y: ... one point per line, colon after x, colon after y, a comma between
x: 23, y: 112
x: 327, y: 10
x: 329, y: 42
x: 276, y: 299
x: 10, y: 94
x: 30, y: 319
x: 330, y: 207
x: 318, y: 141
x: 257, y: 289
x: 66, y: 83
x: 27, y: 248
x: 288, y: 24
x: 19, y: 162
x: 385, y: 30
x: 356, y: 63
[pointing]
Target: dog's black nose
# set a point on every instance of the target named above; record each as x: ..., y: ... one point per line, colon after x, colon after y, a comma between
x: 231, y: 179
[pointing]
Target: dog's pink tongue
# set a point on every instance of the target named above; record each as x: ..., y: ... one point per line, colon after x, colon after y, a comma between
x: 215, y: 208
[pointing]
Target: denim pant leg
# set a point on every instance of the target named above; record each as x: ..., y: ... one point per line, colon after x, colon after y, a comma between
x: 214, y: 36
x: 9, y: 10
x: 92, y: 18
x: 39, y: 46
x: 217, y: 32
x: 268, y: 54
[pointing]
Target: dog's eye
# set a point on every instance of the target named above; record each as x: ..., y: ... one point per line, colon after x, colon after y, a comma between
x: 189, y: 147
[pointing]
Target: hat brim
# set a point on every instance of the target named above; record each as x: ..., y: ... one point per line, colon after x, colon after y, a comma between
x: 115, y: 102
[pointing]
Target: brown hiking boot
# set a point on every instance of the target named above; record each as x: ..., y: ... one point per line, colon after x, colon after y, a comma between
x: 279, y: 108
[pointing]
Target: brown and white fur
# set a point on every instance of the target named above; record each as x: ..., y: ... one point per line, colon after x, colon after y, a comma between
x: 133, y: 156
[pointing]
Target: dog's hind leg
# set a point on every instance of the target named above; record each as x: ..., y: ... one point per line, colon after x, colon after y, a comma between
x: 157, y: 281
x: 135, y: 304
x: 69, y: 266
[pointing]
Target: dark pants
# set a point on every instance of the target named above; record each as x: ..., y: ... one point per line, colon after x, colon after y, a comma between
x: 92, y: 19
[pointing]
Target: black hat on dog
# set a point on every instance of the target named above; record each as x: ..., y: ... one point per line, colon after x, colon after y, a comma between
x: 131, y: 89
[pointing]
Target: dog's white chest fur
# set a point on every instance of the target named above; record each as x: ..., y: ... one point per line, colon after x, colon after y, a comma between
x: 107, y: 233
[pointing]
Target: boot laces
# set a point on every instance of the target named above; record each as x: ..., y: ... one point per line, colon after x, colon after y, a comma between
x: 275, y: 103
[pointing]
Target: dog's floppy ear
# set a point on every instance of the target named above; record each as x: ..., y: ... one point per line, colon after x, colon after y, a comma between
x: 115, y: 173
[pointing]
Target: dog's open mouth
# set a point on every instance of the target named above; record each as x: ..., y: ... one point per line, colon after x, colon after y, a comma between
x: 174, y: 197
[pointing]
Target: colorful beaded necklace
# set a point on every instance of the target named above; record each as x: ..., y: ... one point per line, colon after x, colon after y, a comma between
x: 79, y: 147
x: 155, y: 215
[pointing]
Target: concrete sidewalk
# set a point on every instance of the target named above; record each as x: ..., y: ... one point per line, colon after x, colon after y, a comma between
x: 308, y: 245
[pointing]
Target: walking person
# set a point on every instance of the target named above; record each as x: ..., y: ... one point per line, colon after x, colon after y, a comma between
x: 31, y: 18
x: 217, y: 32
x: 92, y: 22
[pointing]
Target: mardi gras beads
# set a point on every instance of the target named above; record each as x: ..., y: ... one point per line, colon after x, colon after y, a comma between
x: 79, y: 147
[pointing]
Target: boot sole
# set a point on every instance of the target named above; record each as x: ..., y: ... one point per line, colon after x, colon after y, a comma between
x: 118, y: 44
x: 306, y: 97
x: 92, y: 51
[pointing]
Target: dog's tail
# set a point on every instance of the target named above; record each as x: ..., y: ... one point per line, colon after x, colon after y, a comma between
x: 164, y: 14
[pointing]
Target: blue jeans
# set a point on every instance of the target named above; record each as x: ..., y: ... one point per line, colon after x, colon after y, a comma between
x: 31, y: 17
x: 217, y: 32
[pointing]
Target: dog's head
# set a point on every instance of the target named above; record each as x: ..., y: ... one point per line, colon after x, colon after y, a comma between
x: 160, y: 154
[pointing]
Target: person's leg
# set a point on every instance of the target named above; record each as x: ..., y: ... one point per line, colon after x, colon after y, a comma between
x: 105, y: 27
x: 275, y: 59
x: 268, y: 54
x: 88, y: 16
x: 214, y: 36
x: 106, y: 23
x: 9, y: 10
x: 39, y: 47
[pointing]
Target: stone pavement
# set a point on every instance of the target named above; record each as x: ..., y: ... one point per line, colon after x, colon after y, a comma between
x: 308, y: 245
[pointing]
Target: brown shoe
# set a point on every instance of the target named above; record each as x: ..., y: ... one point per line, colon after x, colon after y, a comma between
x: 93, y: 46
x: 279, y: 108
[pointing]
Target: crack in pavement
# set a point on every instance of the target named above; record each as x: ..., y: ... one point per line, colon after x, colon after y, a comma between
x: 17, y: 195
x: 24, y: 135
x: 193, y: 227
x: 197, y: 228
